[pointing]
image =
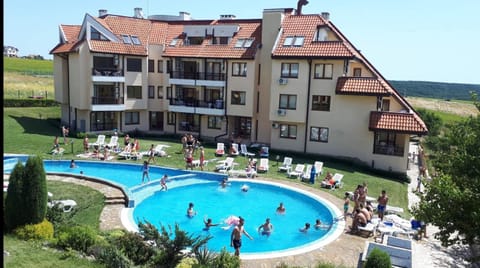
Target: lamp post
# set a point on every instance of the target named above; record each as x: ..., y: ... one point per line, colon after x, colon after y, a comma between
x: 71, y: 143
x: 277, y: 158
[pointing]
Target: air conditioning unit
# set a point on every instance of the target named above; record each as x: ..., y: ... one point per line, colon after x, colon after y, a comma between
x: 281, y: 112
x: 275, y: 125
x: 283, y: 81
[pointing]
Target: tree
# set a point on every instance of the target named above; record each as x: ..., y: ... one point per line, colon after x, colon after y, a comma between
x: 378, y: 259
x: 434, y: 122
x: 35, y: 190
x: 14, y: 203
x: 452, y: 200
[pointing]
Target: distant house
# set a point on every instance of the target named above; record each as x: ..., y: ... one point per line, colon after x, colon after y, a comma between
x: 9, y: 51
x: 289, y: 80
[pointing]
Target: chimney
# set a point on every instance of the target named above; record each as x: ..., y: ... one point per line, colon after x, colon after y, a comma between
x: 102, y: 12
x: 184, y: 15
x: 227, y: 17
x: 138, y: 13
x: 326, y: 16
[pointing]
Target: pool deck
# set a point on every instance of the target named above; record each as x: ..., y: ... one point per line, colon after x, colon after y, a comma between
x: 343, y: 251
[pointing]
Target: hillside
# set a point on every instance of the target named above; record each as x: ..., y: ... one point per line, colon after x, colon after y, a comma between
x: 435, y: 90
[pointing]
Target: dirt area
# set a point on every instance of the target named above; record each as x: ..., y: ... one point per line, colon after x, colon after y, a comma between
x: 460, y: 108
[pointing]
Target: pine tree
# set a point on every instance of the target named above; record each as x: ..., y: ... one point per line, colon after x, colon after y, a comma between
x: 35, y: 190
x: 14, y: 204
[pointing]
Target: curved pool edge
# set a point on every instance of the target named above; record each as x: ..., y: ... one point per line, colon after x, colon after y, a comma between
x: 129, y: 224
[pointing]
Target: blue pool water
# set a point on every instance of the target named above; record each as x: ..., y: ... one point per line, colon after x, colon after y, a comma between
x: 260, y: 202
x: 202, y: 188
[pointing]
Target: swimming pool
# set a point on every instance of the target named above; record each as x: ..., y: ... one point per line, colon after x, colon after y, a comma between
x: 202, y: 188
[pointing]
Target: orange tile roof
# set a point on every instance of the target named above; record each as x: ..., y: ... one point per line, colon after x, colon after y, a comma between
x: 362, y: 86
x: 248, y: 29
x: 70, y: 34
x: 306, y: 25
x: 408, y: 123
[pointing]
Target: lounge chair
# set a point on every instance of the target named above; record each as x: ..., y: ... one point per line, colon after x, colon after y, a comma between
x: 306, y: 175
x: 369, y: 229
x: 100, y: 141
x: 245, y: 152
x: 224, y: 165
x: 234, y: 150
x: 157, y: 151
x: 65, y: 205
x: 337, y: 178
x: 220, y: 151
x: 264, y: 152
x: 297, y: 172
x: 58, y: 152
x: 286, y: 165
x: 243, y: 173
x: 113, y: 142
x: 318, y: 167
x: 263, y: 166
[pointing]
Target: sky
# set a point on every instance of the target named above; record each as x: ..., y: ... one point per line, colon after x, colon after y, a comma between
x: 418, y: 40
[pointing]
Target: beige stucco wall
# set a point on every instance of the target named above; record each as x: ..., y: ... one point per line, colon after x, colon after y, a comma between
x: 245, y: 84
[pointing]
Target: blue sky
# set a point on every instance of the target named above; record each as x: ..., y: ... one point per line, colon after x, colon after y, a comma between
x: 426, y: 40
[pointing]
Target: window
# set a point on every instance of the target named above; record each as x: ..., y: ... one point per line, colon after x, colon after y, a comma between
x: 169, y: 93
x: 321, y: 35
x: 160, y: 92
x: 103, y: 121
x: 134, y: 65
x: 220, y: 40
x: 319, y: 134
x: 160, y: 66
x: 156, y: 121
x: 288, y: 102
x: 386, y: 143
x: 194, y: 41
x: 289, y: 70
x: 357, y: 72
x: 244, y: 42
x: 126, y: 39
x: 320, y: 103
x: 239, y: 69
x: 215, y: 122
x: 173, y: 42
x: 134, y: 92
x: 135, y: 40
x: 385, y: 105
x: 151, y: 66
x: 323, y: 71
x: 170, y: 118
x: 296, y: 41
x: 288, y: 131
x: 132, y: 118
x: 169, y: 66
x: 151, y: 92
x: 238, y: 97
x: 96, y: 35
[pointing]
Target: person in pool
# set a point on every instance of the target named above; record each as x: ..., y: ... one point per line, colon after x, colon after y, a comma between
x: 281, y: 209
x: 266, y: 228
x: 208, y: 223
x: 305, y: 229
x: 190, y: 211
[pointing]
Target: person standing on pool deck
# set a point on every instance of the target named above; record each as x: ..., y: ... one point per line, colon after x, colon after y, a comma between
x: 236, y: 236
x: 145, y: 169
x: 382, y: 204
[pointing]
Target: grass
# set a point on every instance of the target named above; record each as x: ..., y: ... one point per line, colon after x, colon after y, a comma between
x: 28, y: 66
x: 33, y: 254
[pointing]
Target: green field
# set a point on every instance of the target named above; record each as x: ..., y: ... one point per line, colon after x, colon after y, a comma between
x: 28, y: 66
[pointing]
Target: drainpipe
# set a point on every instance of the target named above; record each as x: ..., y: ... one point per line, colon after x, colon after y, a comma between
x: 225, y: 103
x: 308, y: 104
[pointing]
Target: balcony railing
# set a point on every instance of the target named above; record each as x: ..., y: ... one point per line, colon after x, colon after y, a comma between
x: 106, y: 72
x: 214, y: 104
x: 107, y: 100
x: 389, y: 150
x: 197, y: 75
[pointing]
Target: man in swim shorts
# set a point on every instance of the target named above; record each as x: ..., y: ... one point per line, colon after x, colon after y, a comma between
x: 382, y: 204
x: 266, y: 227
x: 236, y: 236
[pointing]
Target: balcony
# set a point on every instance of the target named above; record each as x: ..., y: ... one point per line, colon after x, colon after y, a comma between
x: 388, y: 150
x: 107, y: 75
x: 108, y: 104
x: 194, y: 106
x: 197, y: 78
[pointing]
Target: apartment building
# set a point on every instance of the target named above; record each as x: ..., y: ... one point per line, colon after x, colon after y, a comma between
x: 289, y: 80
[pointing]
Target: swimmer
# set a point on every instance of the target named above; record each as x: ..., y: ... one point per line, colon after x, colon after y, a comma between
x: 190, y: 211
x: 320, y: 225
x: 281, y: 209
x: 266, y: 227
x: 305, y: 229
x: 208, y: 223
x: 245, y: 188
x: 72, y: 164
x: 224, y: 183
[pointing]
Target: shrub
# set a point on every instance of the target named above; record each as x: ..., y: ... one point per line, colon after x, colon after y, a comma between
x: 14, y: 202
x: 226, y: 260
x: 112, y: 257
x: 78, y: 237
x: 378, y: 259
x: 133, y: 246
x: 39, y: 231
x: 29, y: 103
x: 34, y: 190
